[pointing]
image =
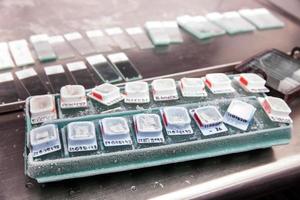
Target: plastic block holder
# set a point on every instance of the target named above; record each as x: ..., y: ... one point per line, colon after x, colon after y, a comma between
x: 63, y: 164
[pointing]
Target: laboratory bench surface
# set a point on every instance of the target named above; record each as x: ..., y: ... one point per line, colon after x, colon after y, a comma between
x: 254, y: 171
